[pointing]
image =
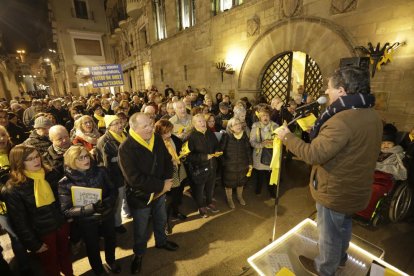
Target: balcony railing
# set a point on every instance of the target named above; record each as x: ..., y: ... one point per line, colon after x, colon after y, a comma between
x: 135, y: 8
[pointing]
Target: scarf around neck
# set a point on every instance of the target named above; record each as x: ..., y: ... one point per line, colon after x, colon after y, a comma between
x: 101, y: 121
x: 169, y: 144
x: 91, y: 138
x: 42, y: 192
x: 149, y: 146
x: 350, y: 101
x: 120, y: 138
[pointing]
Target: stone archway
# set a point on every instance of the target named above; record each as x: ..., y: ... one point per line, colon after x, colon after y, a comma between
x: 326, y: 42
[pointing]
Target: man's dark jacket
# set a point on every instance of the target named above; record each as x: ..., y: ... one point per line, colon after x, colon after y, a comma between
x: 144, y: 171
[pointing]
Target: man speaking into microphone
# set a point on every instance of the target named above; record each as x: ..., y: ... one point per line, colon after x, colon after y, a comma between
x: 345, y: 142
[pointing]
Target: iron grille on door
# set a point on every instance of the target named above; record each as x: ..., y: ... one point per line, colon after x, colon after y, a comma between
x: 313, y: 78
x: 276, y: 78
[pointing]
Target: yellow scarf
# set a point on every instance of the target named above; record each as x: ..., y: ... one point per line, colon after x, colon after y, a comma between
x: 101, y: 121
x: 171, y: 150
x: 411, y: 136
x: 4, y: 160
x: 42, y: 192
x: 141, y: 141
x: 238, y: 136
x: 201, y: 131
x: 120, y: 138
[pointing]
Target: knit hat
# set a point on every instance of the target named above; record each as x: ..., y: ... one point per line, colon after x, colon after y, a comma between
x: 109, y: 119
x: 389, y: 133
x: 42, y: 122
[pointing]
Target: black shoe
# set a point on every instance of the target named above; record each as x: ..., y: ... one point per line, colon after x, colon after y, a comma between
x: 114, y: 267
x: 169, y: 245
x: 179, y: 216
x: 120, y: 229
x: 136, y: 264
x: 308, y: 265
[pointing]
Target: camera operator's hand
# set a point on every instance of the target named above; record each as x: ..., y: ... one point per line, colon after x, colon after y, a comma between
x: 99, y: 207
x: 43, y: 248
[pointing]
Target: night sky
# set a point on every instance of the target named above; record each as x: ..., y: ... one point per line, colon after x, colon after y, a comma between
x: 24, y: 24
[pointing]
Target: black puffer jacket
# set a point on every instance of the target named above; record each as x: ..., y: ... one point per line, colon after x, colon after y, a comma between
x: 237, y: 156
x: 107, y: 155
x: 30, y: 222
x: 95, y: 177
x: 200, y: 146
x: 41, y: 143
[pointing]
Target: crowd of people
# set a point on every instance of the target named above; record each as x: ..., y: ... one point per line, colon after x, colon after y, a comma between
x: 140, y: 151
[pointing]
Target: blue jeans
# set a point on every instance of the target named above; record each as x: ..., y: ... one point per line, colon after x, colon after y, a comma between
x: 335, y: 230
x: 141, y: 219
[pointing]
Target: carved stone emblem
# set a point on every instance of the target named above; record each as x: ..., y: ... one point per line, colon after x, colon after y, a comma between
x: 253, y: 26
x: 342, y: 6
x: 291, y: 8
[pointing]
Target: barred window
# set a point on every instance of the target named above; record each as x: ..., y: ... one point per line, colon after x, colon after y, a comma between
x: 186, y: 13
x: 224, y: 5
x: 159, y: 16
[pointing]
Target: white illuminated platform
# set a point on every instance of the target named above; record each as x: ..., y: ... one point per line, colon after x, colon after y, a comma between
x: 302, y: 240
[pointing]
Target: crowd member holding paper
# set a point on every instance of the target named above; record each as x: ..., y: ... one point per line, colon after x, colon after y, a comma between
x: 237, y: 160
x: 87, y: 195
x: 173, y: 144
x: 34, y: 212
x: 262, y: 143
x: 148, y: 171
x: 203, y: 146
x: 181, y: 121
x: 345, y: 142
x: 107, y: 155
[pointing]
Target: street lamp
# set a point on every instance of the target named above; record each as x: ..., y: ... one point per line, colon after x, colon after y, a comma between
x: 21, y: 54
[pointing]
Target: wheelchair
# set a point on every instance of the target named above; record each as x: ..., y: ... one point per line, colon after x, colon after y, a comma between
x: 391, y: 201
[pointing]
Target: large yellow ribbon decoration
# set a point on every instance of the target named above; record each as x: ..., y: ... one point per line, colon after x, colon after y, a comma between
x: 276, y: 163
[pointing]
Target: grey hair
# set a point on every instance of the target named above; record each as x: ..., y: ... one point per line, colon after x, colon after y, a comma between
x: 231, y: 123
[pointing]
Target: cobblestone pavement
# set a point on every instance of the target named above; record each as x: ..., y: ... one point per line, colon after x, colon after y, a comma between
x: 221, y: 243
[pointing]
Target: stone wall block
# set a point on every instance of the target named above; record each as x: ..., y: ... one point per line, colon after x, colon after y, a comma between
x: 395, y: 25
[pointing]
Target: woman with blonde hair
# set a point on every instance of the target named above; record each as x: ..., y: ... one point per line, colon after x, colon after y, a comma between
x: 236, y: 160
x: 262, y: 143
x: 86, y: 132
x: 94, y: 218
x: 34, y: 212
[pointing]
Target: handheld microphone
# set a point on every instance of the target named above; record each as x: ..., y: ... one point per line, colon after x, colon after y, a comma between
x: 321, y: 100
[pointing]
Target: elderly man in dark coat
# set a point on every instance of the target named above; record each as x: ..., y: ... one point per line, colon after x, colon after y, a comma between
x: 148, y: 170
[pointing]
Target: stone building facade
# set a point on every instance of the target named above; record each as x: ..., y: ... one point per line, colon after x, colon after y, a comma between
x: 248, y: 35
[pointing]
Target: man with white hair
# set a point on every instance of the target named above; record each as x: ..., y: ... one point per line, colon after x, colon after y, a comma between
x: 147, y: 168
x: 53, y: 157
x: 181, y: 121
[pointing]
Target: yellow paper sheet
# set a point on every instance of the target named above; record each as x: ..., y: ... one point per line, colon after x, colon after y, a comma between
x: 284, y: 272
x: 307, y: 122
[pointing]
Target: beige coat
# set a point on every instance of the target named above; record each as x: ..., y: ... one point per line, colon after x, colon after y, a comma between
x: 343, y: 156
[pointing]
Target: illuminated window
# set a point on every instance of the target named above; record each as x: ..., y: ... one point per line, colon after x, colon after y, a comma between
x: 159, y: 16
x: 186, y: 13
x: 81, y: 10
x: 224, y: 5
